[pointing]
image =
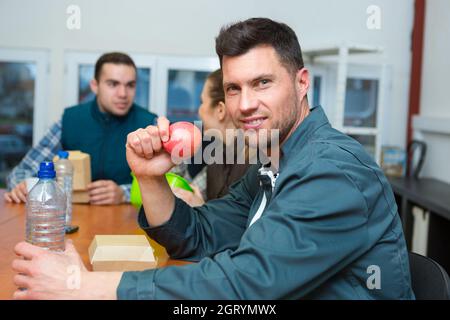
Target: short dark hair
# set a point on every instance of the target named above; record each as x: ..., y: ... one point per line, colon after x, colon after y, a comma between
x: 238, y: 38
x: 216, y: 92
x: 115, y: 58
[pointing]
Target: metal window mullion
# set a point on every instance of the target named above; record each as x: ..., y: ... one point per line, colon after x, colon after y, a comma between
x: 341, y: 85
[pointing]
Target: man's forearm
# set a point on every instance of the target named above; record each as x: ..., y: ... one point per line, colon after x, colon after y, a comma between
x: 157, y: 199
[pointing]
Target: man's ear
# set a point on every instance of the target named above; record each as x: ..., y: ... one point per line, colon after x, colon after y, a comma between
x: 94, y: 86
x: 221, y: 111
x: 302, y: 80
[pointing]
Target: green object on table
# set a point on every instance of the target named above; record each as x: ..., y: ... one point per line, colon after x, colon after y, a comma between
x: 173, y: 179
x: 177, y: 181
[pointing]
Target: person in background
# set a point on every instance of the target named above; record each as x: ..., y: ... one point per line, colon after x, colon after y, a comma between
x: 99, y: 128
x: 213, y: 181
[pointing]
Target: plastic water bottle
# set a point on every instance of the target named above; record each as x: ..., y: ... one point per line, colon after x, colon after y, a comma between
x: 64, y: 177
x: 46, y: 209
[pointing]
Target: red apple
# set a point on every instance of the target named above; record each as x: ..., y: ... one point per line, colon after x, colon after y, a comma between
x: 184, y: 140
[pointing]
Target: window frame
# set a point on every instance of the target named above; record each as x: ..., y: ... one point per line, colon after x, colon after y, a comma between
x: 370, y: 71
x: 167, y: 63
x: 321, y: 70
x: 41, y: 58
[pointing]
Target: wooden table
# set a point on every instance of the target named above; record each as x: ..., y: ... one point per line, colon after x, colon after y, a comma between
x: 92, y: 220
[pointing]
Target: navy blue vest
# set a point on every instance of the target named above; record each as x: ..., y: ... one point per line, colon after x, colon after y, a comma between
x: 103, y: 137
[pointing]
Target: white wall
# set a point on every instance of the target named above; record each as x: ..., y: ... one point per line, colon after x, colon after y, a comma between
x: 179, y: 27
x: 435, y: 103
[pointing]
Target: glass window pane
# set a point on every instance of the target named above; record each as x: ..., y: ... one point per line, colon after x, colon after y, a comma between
x: 143, y: 87
x: 367, y: 141
x: 17, y: 83
x: 86, y: 73
x: 361, y: 100
x: 183, y: 95
x: 317, y: 83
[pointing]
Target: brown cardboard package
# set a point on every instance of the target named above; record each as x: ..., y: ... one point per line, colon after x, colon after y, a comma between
x: 80, y: 196
x: 121, y: 253
x: 81, y: 175
x: 82, y: 169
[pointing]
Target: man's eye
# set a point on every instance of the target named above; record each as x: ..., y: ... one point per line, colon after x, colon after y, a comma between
x: 232, y: 90
x: 264, y: 82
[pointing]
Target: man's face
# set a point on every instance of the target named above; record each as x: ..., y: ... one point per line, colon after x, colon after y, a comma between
x: 115, y: 88
x: 260, y: 93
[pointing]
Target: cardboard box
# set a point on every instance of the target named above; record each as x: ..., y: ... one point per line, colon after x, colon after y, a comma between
x: 81, y: 169
x: 80, y: 196
x: 121, y: 253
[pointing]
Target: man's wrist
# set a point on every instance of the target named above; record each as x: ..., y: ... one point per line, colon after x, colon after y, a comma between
x: 100, y: 285
x: 147, y: 183
x: 151, y: 179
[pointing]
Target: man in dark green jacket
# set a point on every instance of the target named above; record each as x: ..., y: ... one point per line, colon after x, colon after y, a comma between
x: 97, y: 128
x: 320, y: 223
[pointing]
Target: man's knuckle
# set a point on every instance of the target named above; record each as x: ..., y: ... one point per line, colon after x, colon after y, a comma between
x: 146, y: 138
x: 18, y: 247
x: 154, y: 132
x: 16, y: 280
x: 15, y: 264
x: 33, y: 271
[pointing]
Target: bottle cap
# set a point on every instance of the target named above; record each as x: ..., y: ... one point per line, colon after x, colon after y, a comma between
x: 63, y: 154
x: 46, y: 170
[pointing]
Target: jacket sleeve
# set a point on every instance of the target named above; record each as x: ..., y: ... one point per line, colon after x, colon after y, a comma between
x: 315, y: 226
x: 194, y: 233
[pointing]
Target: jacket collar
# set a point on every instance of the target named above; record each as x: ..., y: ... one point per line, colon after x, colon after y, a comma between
x: 106, y: 117
x: 302, y: 134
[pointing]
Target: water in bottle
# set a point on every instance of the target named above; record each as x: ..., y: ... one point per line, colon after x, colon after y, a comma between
x: 46, y: 208
x: 64, y: 177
